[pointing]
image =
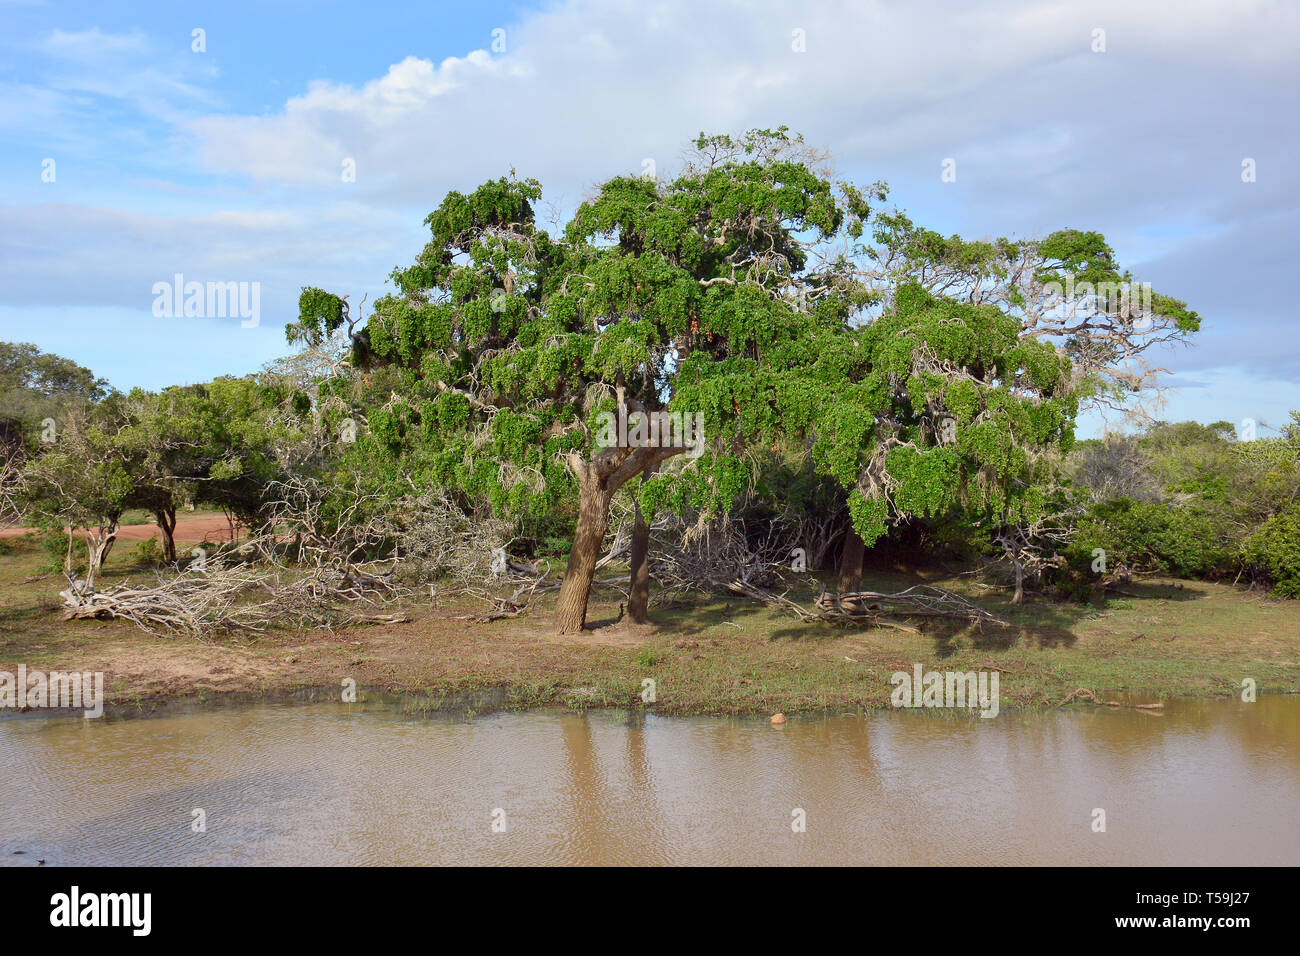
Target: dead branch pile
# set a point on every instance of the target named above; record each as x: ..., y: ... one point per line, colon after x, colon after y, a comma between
x: 231, y: 592
x: 709, y: 555
x: 512, y: 606
x: 437, y: 539
x: 921, y: 600
x: 187, y: 603
x: 12, y: 484
x: 303, y: 569
x: 452, y: 552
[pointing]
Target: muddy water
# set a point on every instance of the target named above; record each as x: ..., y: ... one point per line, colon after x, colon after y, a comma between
x: 1208, y: 783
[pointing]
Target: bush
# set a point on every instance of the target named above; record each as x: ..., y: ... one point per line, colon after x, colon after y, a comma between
x: 1146, y: 536
x: 1275, y: 550
x: 53, y: 540
x: 148, y: 553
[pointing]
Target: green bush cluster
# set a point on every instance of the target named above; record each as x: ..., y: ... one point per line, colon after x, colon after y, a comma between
x: 1150, y: 536
x: 1275, y: 550
x: 1194, y: 501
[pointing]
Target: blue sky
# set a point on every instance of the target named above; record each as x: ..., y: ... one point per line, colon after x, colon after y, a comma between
x: 225, y: 164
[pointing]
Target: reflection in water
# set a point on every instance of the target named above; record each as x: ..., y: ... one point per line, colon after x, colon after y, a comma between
x: 1207, y: 783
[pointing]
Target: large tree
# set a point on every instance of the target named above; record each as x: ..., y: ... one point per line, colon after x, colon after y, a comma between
x: 922, y: 373
x: 695, y: 296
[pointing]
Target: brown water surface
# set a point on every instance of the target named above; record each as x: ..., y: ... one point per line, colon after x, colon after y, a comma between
x: 1207, y: 783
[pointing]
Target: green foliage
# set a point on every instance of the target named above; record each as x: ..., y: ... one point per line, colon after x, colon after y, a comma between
x: 1214, y: 504
x: 35, y: 386
x: 942, y: 409
x: 1185, y: 541
x: 84, y: 478
x: 1066, y: 288
x: 320, y: 314
x: 1275, y: 549
x: 147, y: 553
x: 511, y: 342
x: 53, y: 541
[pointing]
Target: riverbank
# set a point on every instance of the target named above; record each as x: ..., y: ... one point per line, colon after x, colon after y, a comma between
x: 711, y: 656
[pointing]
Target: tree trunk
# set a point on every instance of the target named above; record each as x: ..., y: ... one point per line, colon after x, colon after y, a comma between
x: 1011, y: 546
x: 98, y: 544
x: 851, y: 557
x: 109, y: 540
x: 593, y: 520
x: 638, y: 603
x: 166, y: 518
x: 598, y: 481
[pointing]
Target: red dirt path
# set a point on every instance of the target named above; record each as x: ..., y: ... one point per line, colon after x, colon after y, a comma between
x: 206, y: 528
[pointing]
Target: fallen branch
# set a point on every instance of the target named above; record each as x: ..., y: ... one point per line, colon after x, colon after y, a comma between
x: 922, y: 600
x: 876, y: 608
x: 1084, y: 694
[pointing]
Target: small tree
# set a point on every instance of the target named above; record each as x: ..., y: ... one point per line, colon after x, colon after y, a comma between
x: 161, y: 451
x: 36, y: 386
x: 84, y: 481
x: 248, y: 436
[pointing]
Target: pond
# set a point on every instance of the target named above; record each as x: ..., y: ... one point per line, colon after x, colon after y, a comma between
x: 1206, y: 782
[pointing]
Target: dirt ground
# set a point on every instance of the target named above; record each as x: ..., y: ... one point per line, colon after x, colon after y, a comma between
x: 193, y: 530
x: 710, y: 654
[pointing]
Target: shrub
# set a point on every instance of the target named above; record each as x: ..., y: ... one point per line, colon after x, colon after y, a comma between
x: 148, y: 553
x: 53, y: 540
x: 1275, y: 550
x: 1146, y: 536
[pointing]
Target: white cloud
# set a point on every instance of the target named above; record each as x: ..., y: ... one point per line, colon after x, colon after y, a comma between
x: 1143, y: 142
x: 93, y: 45
x: 589, y: 89
x: 159, y: 82
x: 64, y: 254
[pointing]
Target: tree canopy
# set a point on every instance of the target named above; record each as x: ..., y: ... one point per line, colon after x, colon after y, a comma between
x: 743, y: 294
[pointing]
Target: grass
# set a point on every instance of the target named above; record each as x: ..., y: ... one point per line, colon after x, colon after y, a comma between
x: 711, y: 655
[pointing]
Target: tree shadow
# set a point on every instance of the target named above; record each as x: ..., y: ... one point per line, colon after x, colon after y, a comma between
x: 1040, y: 622
x: 688, y: 618
x: 1157, y: 590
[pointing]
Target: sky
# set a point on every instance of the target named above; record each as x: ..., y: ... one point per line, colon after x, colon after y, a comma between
x: 282, y: 144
